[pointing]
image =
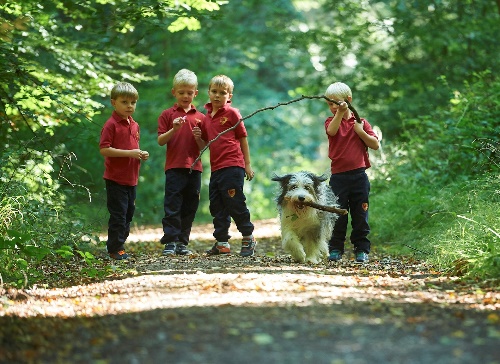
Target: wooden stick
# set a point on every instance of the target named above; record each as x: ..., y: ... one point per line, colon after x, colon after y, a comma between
x: 324, y: 208
x: 303, y: 97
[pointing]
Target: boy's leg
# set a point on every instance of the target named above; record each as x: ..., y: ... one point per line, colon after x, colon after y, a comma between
x: 231, y: 190
x: 340, y: 188
x: 235, y: 201
x: 359, y: 203
x: 131, y: 196
x: 172, y: 203
x: 191, y: 200
x: 117, y: 203
x: 218, y: 209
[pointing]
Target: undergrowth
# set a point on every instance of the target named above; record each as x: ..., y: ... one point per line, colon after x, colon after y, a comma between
x: 455, y: 228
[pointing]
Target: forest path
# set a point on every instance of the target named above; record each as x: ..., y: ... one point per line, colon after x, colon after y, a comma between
x: 267, y: 309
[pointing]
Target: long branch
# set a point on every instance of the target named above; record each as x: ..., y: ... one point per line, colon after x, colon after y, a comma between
x: 303, y: 97
x: 332, y: 209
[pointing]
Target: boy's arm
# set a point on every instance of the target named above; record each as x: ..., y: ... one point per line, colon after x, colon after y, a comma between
x: 246, y: 154
x: 165, y: 137
x: 130, y: 153
x: 333, y: 128
x: 369, y: 140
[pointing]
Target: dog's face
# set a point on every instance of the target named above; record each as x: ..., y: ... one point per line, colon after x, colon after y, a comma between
x: 297, y: 188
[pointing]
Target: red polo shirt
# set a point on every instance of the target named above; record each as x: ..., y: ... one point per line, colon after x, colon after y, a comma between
x: 121, y: 134
x: 346, y: 149
x: 226, y: 150
x: 182, y: 149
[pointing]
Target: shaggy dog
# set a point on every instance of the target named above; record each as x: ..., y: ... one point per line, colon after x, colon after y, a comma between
x: 305, y: 231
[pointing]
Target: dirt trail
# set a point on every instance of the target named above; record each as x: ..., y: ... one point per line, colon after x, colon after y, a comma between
x: 264, y: 309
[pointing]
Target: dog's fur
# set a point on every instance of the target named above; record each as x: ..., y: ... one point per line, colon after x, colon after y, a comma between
x: 305, y: 231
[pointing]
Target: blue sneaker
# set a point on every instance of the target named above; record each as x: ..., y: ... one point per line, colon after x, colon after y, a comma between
x: 335, y: 256
x: 169, y: 250
x: 181, y: 249
x: 361, y: 257
x: 248, y: 247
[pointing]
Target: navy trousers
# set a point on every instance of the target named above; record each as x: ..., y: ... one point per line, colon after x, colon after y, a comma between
x: 227, y: 201
x: 352, y: 189
x: 182, y: 197
x: 121, y: 207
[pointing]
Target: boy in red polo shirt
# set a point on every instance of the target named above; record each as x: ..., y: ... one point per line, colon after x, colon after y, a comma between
x: 348, y: 143
x: 119, y: 144
x: 182, y: 185
x: 230, y: 163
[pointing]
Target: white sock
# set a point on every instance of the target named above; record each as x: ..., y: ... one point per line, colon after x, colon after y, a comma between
x: 223, y: 243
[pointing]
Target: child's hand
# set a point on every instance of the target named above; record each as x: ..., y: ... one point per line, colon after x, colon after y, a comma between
x: 197, y: 131
x: 178, y: 123
x: 358, y: 127
x: 144, y: 155
x: 249, y: 172
x: 343, y: 107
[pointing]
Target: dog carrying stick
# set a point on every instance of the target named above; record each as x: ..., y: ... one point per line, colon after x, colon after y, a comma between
x: 324, y: 208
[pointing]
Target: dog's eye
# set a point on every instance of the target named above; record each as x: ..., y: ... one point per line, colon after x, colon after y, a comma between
x: 293, y: 187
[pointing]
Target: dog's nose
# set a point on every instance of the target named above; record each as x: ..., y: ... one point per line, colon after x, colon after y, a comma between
x: 302, y: 198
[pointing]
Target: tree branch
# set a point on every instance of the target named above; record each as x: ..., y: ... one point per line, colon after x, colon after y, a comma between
x: 303, y: 97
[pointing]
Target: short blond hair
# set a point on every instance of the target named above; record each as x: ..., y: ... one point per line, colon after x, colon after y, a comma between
x: 124, y: 89
x: 185, y: 77
x: 222, y: 81
x: 338, y: 90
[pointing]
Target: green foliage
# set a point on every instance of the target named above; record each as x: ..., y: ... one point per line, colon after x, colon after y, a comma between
x: 439, y: 195
x: 59, y: 60
x: 455, y: 228
x: 451, y: 144
x: 394, y: 52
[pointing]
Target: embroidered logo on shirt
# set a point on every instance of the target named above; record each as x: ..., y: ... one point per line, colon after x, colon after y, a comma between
x: 365, y: 206
x: 231, y: 192
x: 223, y: 120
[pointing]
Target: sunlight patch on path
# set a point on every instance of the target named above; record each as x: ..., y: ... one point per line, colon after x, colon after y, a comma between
x: 163, y: 290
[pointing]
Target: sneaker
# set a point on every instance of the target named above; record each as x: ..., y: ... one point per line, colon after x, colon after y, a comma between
x: 361, y: 257
x: 248, y: 247
x: 335, y: 256
x: 219, y: 249
x: 119, y: 255
x: 170, y: 249
x: 182, y: 249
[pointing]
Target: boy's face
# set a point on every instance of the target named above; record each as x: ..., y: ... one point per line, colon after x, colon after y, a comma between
x: 124, y: 106
x: 184, y: 94
x: 219, y: 96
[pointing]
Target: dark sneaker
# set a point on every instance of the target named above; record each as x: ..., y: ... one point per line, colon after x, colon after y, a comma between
x: 182, y: 249
x: 219, y: 249
x: 248, y: 247
x: 361, y: 257
x: 335, y: 256
x: 119, y: 255
x: 170, y: 249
